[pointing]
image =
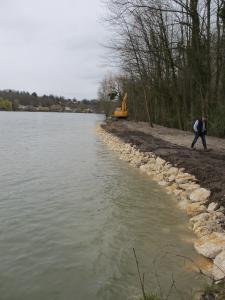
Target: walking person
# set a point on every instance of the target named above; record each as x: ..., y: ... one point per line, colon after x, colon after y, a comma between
x: 200, y: 129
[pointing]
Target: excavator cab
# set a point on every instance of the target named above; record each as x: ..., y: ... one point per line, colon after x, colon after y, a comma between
x: 122, y: 112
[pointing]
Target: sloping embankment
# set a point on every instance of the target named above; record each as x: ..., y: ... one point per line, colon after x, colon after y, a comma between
x: 196, y: 179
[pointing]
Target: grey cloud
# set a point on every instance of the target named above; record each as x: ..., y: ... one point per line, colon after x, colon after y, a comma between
x: 52, y: 46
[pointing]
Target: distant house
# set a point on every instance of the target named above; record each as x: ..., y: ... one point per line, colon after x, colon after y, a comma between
x: 88, y: 110
x: 31, y: 108
x: 56, y: 108
x: 27, y: 108
x: 67, y: 109
x: 43, y: 108
x: 22, y: 107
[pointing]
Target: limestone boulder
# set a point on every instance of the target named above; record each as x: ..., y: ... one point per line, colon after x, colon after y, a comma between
x: 152, y: 160
x: 173, y: 171
x: 150, y: 155
x: 158, y: 177
x: 144, y: 168
x: 160, y: 161
x: 144, y: 159
x: 127, y: 149
x: 183, y: 204
x: 172, y: 188
x: 159, y: 164
x: 207, y: 223
x: 195, y: 209
x: 184, y: 196
x: 171, y: 178
x: 150, y: 167
x: 201, y: 231
x: 182, y: 178
x: 167, y: 166
x: 163, y: 183
x: 218, y: 216
x: 190, y: 186
x: 219, y: 266
x: 210, y: 245
x: 151, y: 173
x: 206, y: 266
x: 204, y: 217
x: 137, y: 162
x: 212, y: 207
x: 221, y: 209
x: 126, y: 157
x: 200, y: 195
x: 177, y: 192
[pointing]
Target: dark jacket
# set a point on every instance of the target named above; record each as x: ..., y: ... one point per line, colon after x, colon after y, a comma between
x: 201, y: 127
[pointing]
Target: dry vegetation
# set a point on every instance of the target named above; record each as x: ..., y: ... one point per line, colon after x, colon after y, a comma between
x: 171, y: 57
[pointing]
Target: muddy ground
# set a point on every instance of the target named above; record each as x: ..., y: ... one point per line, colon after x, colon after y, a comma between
x: 172, y: 145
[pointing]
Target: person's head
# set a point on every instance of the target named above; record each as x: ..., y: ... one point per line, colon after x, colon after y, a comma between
x: 204, y: 118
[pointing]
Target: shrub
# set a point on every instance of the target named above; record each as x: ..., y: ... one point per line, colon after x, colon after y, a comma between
x: 5, y: 105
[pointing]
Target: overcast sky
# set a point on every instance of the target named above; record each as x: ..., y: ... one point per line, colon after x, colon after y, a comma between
x: 52, y: 46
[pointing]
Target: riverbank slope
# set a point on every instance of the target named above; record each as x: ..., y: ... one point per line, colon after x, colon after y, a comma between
x: 174, y: 146
x: 196, y: 178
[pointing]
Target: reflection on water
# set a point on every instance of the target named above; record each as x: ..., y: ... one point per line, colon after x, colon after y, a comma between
x: 71, y: 213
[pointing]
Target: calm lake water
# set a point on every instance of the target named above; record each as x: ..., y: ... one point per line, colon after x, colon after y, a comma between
x: 71, y: 212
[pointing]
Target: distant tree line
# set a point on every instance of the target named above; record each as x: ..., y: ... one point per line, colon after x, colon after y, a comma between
x: 16, y: 100
x: 172, y: 59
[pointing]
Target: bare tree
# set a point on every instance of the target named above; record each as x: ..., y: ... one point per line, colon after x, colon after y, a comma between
x: 171, y: 55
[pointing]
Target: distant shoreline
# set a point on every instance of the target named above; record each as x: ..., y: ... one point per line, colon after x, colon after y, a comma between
x: 61, y: 112
x: 11, y: 100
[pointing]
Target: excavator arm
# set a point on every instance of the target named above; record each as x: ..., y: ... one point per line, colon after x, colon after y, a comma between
x: 122, y: 112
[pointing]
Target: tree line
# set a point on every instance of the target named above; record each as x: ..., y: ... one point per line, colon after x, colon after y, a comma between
x: 172, y: 60
x: 20, y: 100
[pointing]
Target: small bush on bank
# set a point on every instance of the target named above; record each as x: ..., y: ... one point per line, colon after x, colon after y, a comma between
x: 5, y: 105
x: 216, y: 291
x: 151, y: 297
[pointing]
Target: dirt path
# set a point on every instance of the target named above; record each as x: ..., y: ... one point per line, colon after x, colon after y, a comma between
x: 175, y: 136
x: 174, y: 145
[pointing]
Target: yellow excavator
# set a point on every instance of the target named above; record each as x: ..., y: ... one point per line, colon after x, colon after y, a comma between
x: 122, y: 112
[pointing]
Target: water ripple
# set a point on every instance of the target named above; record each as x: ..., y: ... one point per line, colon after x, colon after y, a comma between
x: 71, y: 212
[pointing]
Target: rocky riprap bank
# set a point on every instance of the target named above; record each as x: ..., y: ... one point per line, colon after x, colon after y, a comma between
x: 207, y: 221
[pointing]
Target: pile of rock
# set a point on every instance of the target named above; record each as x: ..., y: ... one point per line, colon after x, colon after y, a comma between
x: 206, y: 220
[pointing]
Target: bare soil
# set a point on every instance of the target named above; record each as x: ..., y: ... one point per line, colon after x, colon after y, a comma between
x: 174, y: 146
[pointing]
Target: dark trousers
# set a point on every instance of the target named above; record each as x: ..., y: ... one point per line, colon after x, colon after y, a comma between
x: 197, y: 135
